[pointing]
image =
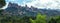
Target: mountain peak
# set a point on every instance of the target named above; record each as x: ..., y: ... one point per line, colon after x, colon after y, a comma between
x: 15, y: 9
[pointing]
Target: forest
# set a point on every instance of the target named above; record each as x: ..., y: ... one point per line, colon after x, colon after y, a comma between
x: 38, y: 19
x: 2, y: 3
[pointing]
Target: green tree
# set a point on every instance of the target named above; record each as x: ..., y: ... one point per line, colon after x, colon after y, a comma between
x: 55, y: 19
x: 39, y: 19
x: 1, y: 12
x: 2, y: 3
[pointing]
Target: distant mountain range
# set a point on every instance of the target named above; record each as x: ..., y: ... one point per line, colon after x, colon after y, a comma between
x: 15, y: 9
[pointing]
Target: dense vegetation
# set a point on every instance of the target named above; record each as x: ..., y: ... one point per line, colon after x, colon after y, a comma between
x: 2, y: 3
x: 43, y: 19
x: 55, y: 19
x: 38, y: 19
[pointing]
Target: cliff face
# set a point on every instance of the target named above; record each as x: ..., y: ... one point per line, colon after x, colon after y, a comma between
x: 16, y: 10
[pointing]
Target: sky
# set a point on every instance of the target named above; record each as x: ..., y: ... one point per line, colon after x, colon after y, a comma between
x: 52, y: 4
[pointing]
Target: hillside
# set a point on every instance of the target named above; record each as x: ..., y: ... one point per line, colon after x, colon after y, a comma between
x: 15, y: 9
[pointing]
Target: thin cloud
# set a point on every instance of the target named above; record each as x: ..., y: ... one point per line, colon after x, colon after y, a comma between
x: 52, y: 4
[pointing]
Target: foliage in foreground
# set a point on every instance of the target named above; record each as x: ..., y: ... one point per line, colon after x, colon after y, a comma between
x: 42, y: 19
x: 39, y: 19
x: 2, y: 3
x: 55, y: 19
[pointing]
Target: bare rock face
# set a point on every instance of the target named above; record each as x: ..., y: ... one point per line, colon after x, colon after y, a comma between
x: 2, y: 3
x: 14, y: 9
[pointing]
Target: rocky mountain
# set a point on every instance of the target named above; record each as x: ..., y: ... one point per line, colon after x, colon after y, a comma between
x: 15, y: 9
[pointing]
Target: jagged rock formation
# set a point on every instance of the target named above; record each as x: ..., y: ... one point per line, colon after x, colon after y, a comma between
x: 15, y: 10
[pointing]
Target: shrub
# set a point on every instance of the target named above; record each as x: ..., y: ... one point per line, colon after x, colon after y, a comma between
x: 55, y: 19
x: 39, y: 19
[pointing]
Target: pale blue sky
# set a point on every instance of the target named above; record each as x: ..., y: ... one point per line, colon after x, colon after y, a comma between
x: 52, y: 4
x: 19, y: 1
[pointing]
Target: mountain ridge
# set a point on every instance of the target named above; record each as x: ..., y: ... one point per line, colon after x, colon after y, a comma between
x: 15, y: 9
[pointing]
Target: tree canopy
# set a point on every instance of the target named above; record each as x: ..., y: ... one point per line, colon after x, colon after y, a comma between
x: 2, y: 3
